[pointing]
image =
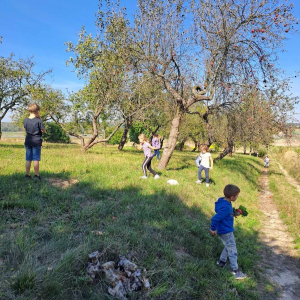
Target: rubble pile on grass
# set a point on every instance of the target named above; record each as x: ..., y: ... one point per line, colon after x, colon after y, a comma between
x: 123, y: 276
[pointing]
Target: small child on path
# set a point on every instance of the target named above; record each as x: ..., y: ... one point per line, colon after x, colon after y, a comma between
x: 34, y: 128
x: 156, y: 144
x: 204, y: 165
x: 267, y: 161
x: 222, y: 225
x: 148, y: 155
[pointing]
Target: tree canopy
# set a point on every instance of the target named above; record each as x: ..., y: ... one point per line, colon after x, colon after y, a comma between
x: 17, y: 82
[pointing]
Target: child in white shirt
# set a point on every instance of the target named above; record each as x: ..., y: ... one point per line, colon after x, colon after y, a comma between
x: 204, y: 165
x: 267, y: 161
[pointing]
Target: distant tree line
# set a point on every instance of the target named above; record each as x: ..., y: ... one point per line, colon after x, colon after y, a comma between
x: 10, y: 127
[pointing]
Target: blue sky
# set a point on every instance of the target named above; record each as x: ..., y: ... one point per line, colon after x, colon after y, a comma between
x: 40, y: 28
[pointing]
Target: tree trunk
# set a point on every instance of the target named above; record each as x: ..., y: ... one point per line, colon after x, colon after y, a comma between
x: 161, y: 141
x: 199, y: 145
x: 172, y: 140
x: 227, y: 150
x: 210, y: 138
x: 231, y: 150
x: 245, y: 149
x: 181, y: 146
x: 125, y: 132
x: 91, y: 141
x: 196, y: 146
x: 104, y: 136
x: 0, y: 129
x: 94, y: 142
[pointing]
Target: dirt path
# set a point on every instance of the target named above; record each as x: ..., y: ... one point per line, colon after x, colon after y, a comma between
x: 280, y: 262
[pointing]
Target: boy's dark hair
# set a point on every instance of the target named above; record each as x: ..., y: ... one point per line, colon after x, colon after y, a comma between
x: 231, y: 190
x: 33, y: 108
x: 155, y: 135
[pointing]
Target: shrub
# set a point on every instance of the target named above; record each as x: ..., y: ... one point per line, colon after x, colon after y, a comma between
x: 116, y: 138
x: 262, y: 152
x: 135, y: 130
x: 55, y: 134
x: 214, y: 148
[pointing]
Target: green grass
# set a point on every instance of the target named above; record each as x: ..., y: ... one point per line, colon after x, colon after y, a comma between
x: 46, y: 230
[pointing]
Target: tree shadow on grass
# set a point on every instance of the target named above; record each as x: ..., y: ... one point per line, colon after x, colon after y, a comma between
x: 211, y: 181
x: 49, y: 242
x: 179, y: 168
x: 238, y: 166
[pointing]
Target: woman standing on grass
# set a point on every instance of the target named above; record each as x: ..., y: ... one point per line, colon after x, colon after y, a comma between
x: 148, y: 155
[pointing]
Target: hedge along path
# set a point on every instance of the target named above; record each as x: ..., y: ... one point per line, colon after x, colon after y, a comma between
x: 280, y: 261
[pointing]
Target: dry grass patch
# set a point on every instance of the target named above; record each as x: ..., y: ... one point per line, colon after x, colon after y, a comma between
x: 291, y: 155
x: 181, y: 253
x: 62, y: 183
x: 289, y: 159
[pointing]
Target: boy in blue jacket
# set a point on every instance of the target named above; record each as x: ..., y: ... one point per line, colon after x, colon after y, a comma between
x: 222, y: 225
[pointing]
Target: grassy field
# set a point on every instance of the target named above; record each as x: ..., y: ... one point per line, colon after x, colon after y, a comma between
x: 46, y: 227
x: 15, y: 135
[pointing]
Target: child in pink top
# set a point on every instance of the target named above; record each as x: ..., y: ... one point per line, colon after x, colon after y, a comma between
x: 148, y: 155
x: 156, y: 144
